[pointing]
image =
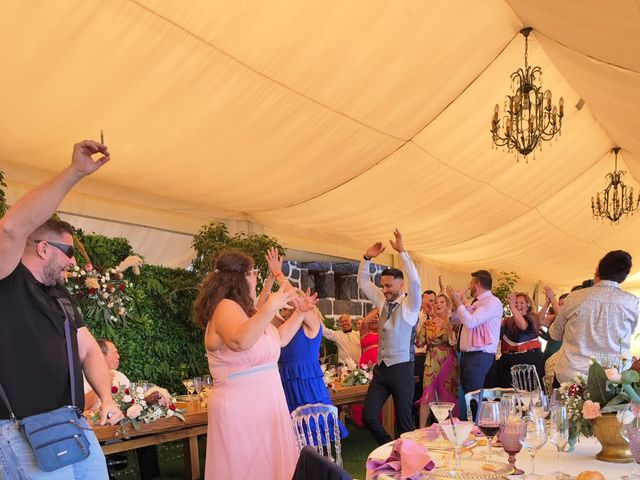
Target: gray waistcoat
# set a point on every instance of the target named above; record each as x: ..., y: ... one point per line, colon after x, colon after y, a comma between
x: 396, y: 342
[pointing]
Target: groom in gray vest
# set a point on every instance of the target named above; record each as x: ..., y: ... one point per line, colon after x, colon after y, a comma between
x: 394, y: 370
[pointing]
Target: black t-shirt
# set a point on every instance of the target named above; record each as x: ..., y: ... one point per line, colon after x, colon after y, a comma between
x: 34, y: 369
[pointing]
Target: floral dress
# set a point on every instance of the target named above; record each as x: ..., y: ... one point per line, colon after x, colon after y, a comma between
x: 441, y: 362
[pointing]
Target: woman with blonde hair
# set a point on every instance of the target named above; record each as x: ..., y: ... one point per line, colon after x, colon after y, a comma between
x: 440, y: 378
x: 249, y: 432
x: 519, y: 342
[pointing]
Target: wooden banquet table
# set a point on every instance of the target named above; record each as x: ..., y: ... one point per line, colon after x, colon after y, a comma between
x: 195, y: 424
x: 582, y: 458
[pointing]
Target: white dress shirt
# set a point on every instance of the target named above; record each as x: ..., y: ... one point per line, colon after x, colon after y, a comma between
x: 597, y: 322
x: 485, y: 312
x: 349, y: 348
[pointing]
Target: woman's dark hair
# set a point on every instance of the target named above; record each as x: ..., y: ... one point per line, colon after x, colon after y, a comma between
x: 228, y: 280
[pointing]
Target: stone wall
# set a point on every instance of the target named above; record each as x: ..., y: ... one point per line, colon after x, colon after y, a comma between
x: 336, y: 284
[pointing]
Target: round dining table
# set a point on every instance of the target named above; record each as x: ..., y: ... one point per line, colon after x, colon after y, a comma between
x: 582, y: 458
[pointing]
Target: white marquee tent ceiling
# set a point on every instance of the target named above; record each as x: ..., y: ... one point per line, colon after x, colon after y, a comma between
x: 329, y: 123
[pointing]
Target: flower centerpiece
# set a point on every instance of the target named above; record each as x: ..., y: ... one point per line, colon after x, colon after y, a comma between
x: 358, y: 376
x: 100, y: 293
x: 140, y: 407
x: 604, y: 391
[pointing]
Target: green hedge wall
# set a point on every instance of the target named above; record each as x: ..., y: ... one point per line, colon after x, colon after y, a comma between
x: 159, y: 342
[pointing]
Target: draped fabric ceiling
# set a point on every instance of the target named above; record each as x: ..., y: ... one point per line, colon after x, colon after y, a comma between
x: 329, y: 123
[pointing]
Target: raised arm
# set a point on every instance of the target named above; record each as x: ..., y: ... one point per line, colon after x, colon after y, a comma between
x: 304, y: 307
x: 556, y: 329
x: 239, y: 333
x: 266, y: 290
x: 480, y: 315
x: 369, y: 288
x: 34, y: 208
x: 521, y: 322
x: 414, y: 293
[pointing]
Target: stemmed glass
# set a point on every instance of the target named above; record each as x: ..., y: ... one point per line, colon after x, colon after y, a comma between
x: 629, y: 419
x: 533, y: 435
x: 539, y: 405
x: 197, y: 384
x: 457, y: 433
x: 559, y: 434
x: 188, y: 384
x: 509, y: 435
x: 489, y: 421
x: 441, y: 410
x: 207, y: 383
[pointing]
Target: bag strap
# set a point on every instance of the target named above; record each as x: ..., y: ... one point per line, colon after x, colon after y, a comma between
x: 66, y: 307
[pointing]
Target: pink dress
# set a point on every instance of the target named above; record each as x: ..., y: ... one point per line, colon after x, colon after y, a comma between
x: 369, y: 356
x: 250, y: 434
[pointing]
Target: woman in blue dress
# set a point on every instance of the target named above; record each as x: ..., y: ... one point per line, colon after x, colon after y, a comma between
x: 299, y: 362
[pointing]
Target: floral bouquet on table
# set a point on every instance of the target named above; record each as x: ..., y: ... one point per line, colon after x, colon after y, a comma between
x: 604, y: 390
x: 100, y: 293
x: 361, y: 375
x: 139, y: 407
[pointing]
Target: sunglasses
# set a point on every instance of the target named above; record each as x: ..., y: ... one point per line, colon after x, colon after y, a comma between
x: 63, y: 247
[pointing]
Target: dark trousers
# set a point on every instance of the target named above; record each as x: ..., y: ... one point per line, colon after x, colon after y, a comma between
x: 397, y: 381
x: 418, y: 389
x: 474, y: 367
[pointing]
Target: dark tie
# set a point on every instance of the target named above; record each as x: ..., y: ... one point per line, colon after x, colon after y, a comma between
x: 392, y: 305
x: 474, y: 301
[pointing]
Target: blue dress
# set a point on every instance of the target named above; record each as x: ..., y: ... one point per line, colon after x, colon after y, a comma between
x: 301, y: 375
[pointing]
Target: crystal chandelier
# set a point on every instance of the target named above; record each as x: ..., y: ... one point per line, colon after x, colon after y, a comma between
x: 616, y: 199
x: 528, y: 114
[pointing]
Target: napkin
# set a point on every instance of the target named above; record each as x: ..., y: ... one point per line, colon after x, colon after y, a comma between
x: 407, y: 457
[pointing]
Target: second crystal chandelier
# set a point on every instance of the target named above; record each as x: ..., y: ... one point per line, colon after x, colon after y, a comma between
x: 528, y: 117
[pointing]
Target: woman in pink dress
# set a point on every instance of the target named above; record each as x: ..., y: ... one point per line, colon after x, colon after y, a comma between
x: 249, y: 433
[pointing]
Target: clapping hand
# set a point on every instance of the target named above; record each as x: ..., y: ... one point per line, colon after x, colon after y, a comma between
x: 549, y: 293
x: 456, y: 296
x: 397, y: 243
x: 511, y: 299
x: 374, y: 250
x: 306, y: 302
x: 274, y: 261
x: 282, y: 298
x: 81, y: 159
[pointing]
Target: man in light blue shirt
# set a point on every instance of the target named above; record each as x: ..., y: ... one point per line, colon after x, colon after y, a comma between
x: 394, y: 371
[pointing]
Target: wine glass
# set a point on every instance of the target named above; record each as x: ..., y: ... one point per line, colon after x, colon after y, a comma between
x: 457, y: 433
x: 188, y: 385
x: 539, y: 404
x: 509, y: 436
x: 489, y: 421
x: 629, y: 419
x: 207, y: 383
x: 533, y: 435
x: 557, y: 397
x: 197, y: 384
x: 559, y: 434
x: 144, y: 384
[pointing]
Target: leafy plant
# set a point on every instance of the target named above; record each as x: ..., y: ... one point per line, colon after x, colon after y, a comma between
x: 505, y: 284
x: 215, y: 237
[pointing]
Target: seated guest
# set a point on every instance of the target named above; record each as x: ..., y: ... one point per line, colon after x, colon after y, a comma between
x: 480, y: 331
x: 112, y: 357
x: 440, y: 376
x: 598, y: 321
x: 519, y: 335
x: 347, y: 340
x: 147, y: 456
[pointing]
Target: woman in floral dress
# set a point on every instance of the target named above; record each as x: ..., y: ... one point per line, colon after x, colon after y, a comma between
x: 439, y: 337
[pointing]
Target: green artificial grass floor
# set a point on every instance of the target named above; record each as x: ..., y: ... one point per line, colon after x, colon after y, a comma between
x: 355, y: 449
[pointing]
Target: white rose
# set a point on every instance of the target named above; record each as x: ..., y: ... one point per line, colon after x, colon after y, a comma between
x: 105, y: 295
x: 127, y: 399
x: 169, y: 413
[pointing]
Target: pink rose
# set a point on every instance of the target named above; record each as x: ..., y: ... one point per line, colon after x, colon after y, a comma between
x: 591, y: 410
x: 134, y: 411
x: 612, y: 374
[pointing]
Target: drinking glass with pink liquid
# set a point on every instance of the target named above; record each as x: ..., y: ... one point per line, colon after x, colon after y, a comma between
x: 629, y: 419
x: 509, y: 436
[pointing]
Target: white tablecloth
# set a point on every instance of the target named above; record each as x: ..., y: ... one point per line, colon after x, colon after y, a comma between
x: 582, y: 458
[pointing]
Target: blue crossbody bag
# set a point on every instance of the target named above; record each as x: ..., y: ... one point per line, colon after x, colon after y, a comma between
x: 56, y: 437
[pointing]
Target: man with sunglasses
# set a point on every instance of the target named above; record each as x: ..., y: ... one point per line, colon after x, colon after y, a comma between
x: 35, y: 250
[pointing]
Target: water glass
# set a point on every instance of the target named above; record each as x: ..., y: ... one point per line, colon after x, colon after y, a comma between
x: 539, y: 404
x: 629, y: 419
x: 533, y: 436
x: 197, y: 384
x: 207, y: 383
x: 489, y: 421
x: 559, y: 434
